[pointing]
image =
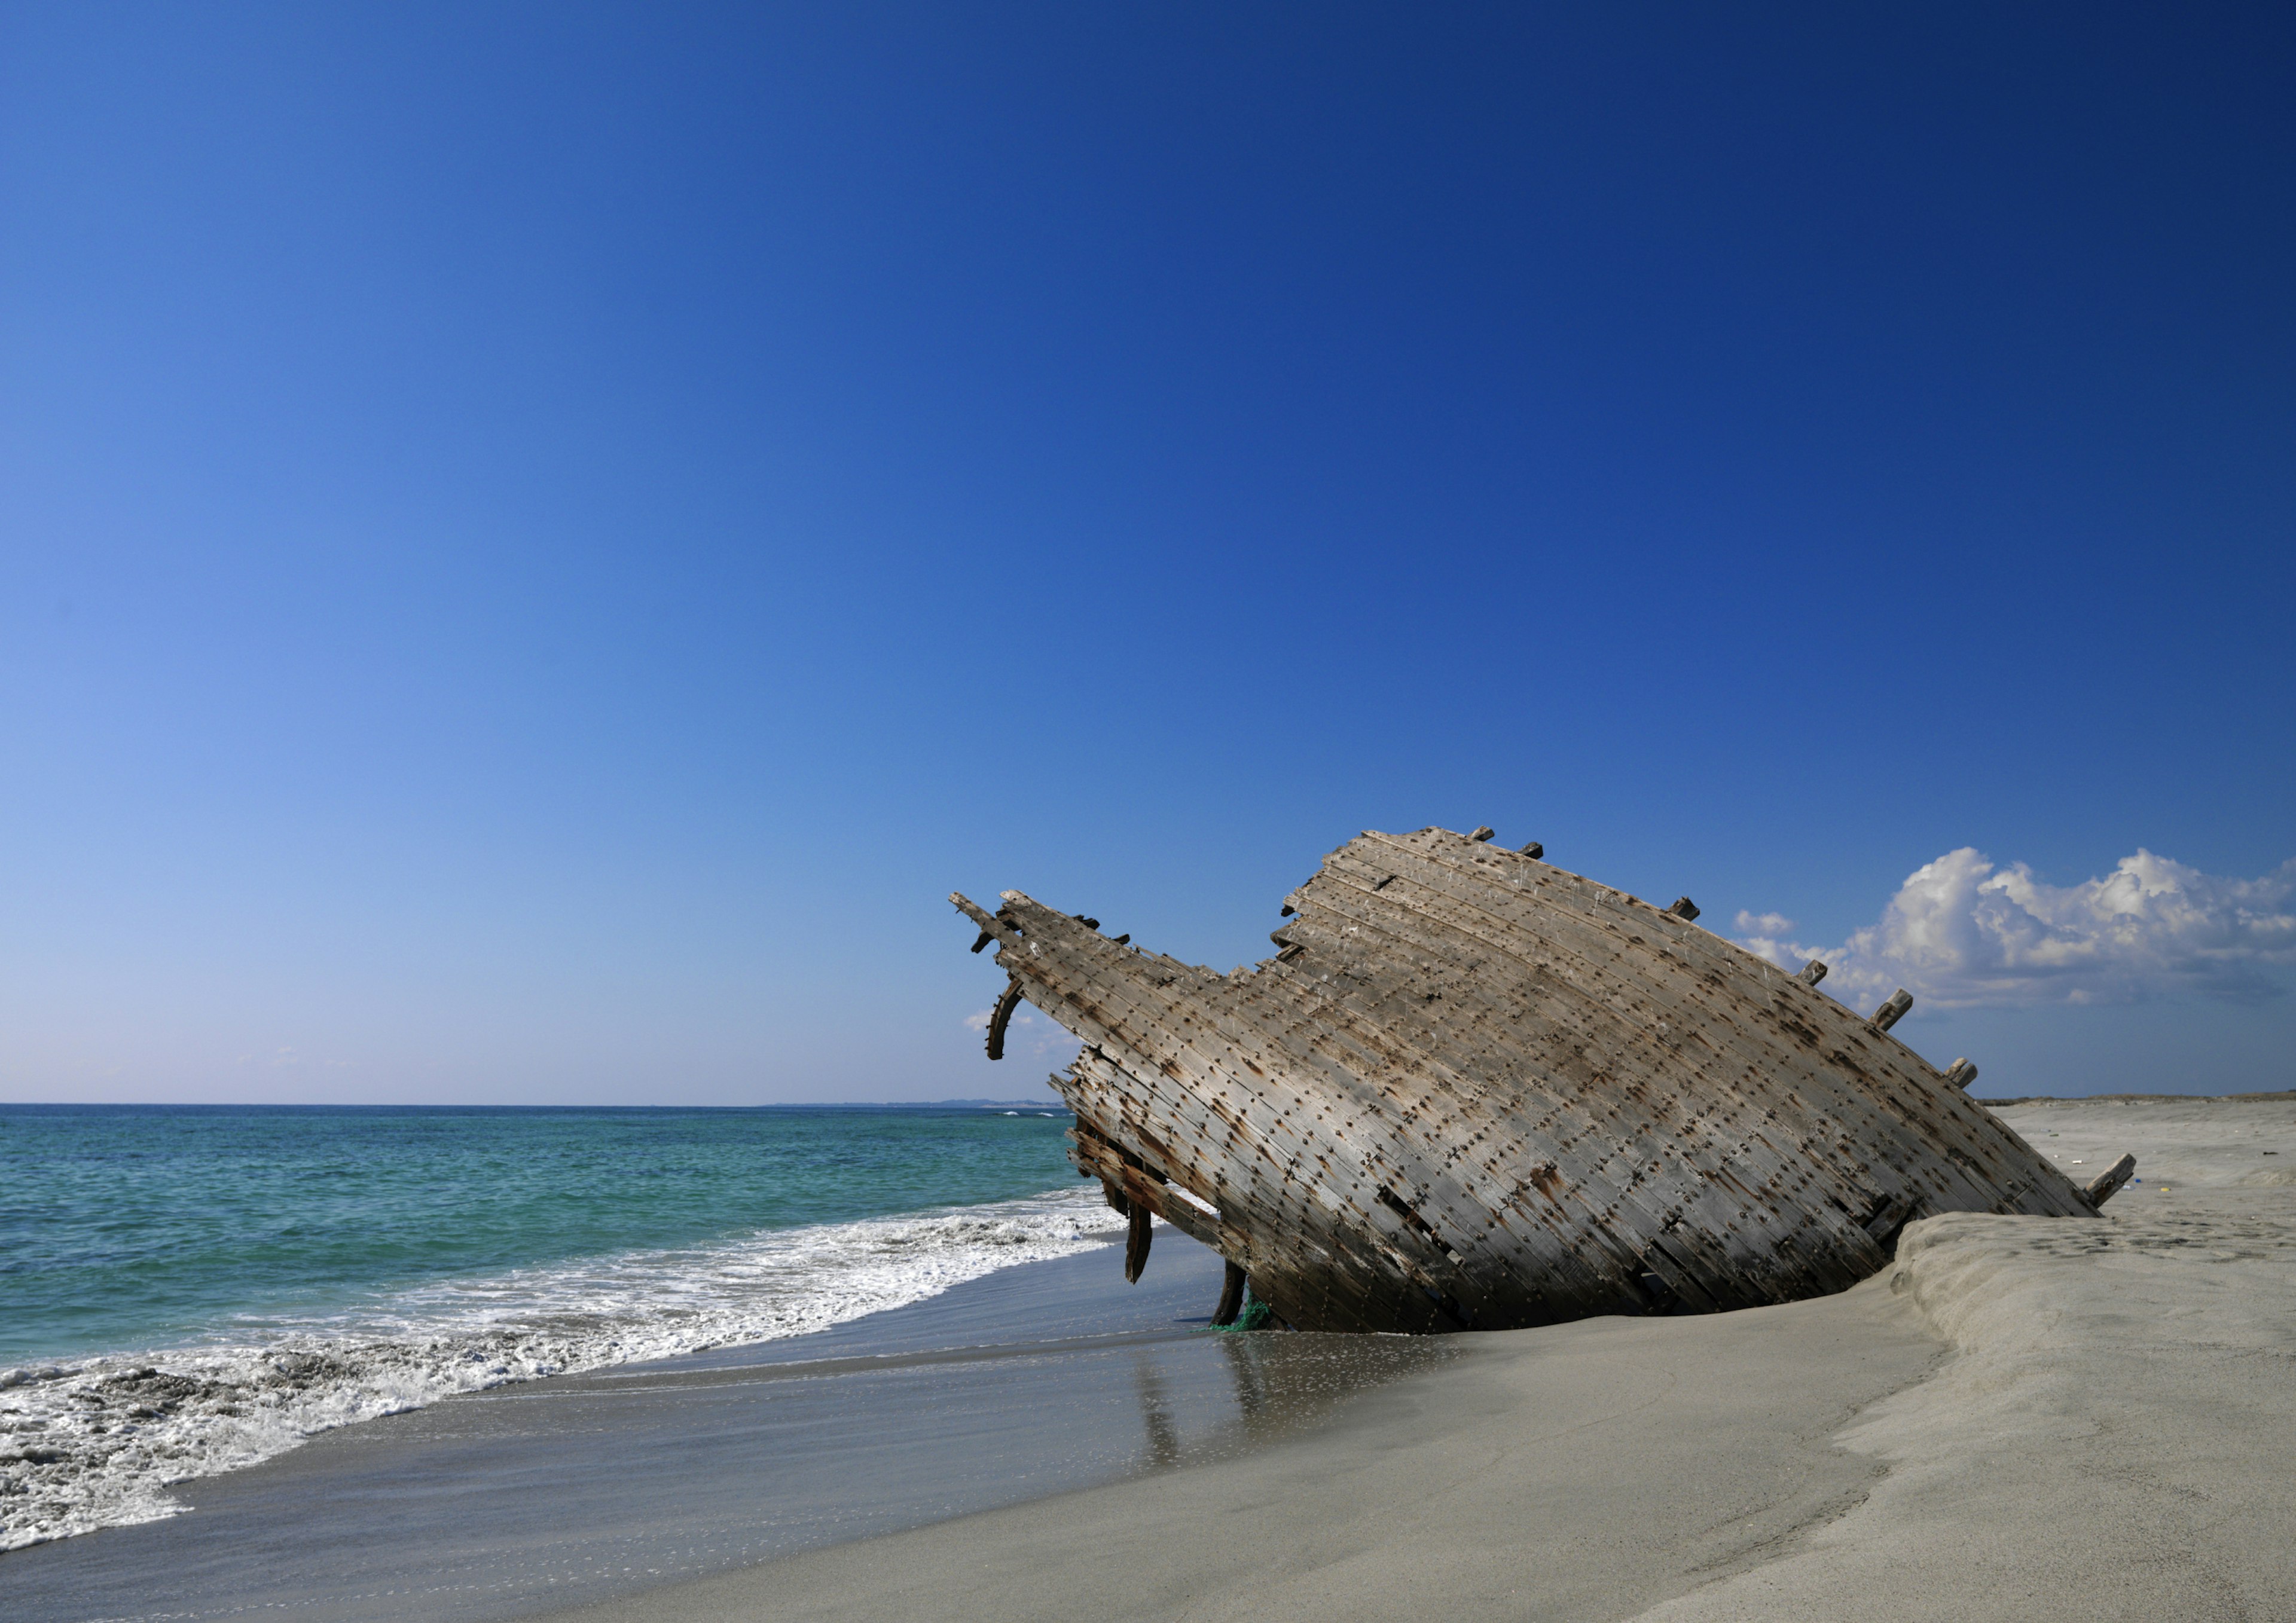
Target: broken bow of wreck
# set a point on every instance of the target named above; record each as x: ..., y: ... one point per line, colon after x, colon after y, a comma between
x: 1474, y: 1091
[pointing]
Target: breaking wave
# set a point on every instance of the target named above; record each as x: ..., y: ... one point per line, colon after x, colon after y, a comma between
x: 95, y: 1442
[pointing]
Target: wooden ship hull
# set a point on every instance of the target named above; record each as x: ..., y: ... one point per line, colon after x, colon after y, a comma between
x: 1474, y: 1091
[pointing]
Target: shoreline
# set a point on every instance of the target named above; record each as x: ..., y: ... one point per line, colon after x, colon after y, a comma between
x: 2080, y: 1414
x: 2041, y: 1418
x: 504, y: 1502
x: 119, y: 1437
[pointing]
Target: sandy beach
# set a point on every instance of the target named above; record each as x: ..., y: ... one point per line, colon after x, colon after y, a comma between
x: 2027, y: 1418
x: 2023, y: 1418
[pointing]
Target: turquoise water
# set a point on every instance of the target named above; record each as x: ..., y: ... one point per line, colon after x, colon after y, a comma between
x: 187, y: 1291
x: 131, y: 1227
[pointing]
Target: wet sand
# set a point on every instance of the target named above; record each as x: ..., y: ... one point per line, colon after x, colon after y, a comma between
x: 2026, y: 1418
x: 504, y: 1504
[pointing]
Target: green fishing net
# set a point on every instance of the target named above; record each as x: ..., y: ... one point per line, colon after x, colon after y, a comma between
x: 1254, y: 1316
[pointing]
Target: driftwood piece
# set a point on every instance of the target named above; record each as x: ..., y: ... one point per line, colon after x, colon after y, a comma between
x: 1476, y: 1091
x: 2107, y: 1183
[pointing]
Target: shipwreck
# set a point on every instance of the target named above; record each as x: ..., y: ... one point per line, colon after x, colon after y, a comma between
x: 1472, y: 1090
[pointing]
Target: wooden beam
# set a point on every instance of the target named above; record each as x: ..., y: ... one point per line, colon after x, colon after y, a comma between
x: 2107, y: 1183
x: 1136, y: 1244
x: 1231, y: 1299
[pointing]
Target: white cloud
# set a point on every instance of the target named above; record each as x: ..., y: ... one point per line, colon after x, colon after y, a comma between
x: 1763, y: 923
x: 1961, y: 932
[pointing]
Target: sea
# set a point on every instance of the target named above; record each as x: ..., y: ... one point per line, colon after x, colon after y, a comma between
x: 185, y: 1290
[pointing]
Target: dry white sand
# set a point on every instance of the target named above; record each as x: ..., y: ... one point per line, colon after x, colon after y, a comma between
x: 2115, y: 1434
x: 2239, y: 1142
x: 2025, y: 1418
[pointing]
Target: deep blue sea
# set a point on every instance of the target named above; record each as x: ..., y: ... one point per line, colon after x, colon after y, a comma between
x: 183, y: 1290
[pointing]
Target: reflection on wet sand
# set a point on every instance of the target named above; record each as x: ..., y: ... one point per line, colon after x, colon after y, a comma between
x: 1282, y: 1380
x: 1155, y: 1411
x: 1276, y: 1382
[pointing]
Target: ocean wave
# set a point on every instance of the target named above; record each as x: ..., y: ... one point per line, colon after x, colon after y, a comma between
x: 95, y: 1442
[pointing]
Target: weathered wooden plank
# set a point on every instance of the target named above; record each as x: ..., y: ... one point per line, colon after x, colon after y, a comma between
x: 1702, y: 933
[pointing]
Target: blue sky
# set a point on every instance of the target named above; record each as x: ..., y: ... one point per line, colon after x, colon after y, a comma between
x: 538, y: 544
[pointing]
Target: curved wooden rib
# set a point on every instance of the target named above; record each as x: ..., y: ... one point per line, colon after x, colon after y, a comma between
x: 1001, y: 1016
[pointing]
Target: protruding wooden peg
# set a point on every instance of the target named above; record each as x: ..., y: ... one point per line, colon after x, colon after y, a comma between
x: 1231, y: 1301
x: 1534, y: 850
x: 1960, y: 1074
x: 1288, y: 910
x: 1483, y: 834
x: 1125, y: 939
x: 2107, y: 1183
x: 1813, y: 972
x: 1890, y: 1012
x: 1136, y: 1244
x: 1684, y: 908
x: 1088, y: 923
x: 986, y: 938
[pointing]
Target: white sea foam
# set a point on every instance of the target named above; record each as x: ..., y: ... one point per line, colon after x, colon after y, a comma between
x: 95, y: 1442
